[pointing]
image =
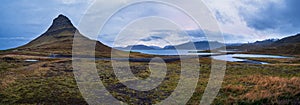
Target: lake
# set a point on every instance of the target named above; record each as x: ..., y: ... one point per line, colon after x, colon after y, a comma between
x: 237, y: 57
x: 31, y: 60
x: 172, y: 52
x: 216, y: 56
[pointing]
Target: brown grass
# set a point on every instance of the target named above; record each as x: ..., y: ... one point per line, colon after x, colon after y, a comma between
x: 243, y: 83
x: 268, y: 87
x: 261, y: 89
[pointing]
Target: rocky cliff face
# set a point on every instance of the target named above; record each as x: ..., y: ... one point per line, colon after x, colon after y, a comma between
x: 61, y: 23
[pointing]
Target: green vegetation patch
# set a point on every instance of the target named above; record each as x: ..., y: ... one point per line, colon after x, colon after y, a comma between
x: 48, y: 91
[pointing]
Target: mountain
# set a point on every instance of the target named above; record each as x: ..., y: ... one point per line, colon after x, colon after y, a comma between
x: 58, y: 40
x: 253, y: 46
x: 234, y: 44
x: 201, y: 45
x: 289, y: 40
x: 289, y: 45
x: 266, y: 42
x: 139, y: 47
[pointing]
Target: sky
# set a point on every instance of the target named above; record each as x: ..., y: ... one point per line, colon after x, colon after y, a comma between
x: 240, y: 21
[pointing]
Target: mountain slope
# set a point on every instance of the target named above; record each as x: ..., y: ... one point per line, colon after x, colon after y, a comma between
x: 291, y: 39
x: 254, y: 46
x: 58, y: 40
x: 139, y: 47
x: 201, y: 45
x: 289, y: 45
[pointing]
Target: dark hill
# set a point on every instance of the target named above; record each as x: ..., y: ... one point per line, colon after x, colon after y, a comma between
x: 289, y: 45
x: 291, y: 39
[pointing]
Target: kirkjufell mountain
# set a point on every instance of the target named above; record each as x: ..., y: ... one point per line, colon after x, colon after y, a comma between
x: 58, y: 40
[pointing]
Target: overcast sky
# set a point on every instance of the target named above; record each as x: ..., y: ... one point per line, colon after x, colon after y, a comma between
x: 240, y: 21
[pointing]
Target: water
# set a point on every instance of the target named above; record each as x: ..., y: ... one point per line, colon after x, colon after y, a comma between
x: 233, y: 57
x: 162, y: 52
x: 172, y: 52
x: 217, y: 56
x: 31, y: 60
x: 257, y: 56
x: 229, y: 51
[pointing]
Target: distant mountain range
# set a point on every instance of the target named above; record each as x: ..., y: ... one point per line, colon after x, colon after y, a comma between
x: 289, y: 45
x: 139, y: 47
x: 201, y: 45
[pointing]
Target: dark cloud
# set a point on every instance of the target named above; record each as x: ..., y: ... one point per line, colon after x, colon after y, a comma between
x: 157, y: 34
x: 282, y: 18
x: 195, y: 33
x: 222, y: 18
x: 151, y: 38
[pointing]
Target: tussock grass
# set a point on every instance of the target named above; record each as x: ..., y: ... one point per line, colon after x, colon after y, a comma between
x: 270, y: 87
x: 259, y: 89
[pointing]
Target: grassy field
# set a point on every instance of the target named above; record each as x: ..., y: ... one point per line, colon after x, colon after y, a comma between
x: 51, y: 81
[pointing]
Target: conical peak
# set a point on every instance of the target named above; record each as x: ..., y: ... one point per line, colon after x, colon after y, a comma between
x: 62, y: 18
x: 61, y: 22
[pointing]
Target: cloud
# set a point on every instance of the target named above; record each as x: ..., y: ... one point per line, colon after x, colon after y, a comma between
x: 240, y: 21
x: 227, y: 13
x: 280, y: 16
x: 222, y: 18
x: 164, y: 18
x: 69, y: 2
x: 152, y: 38
x: 256, y: 19
x: 148, y: 32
